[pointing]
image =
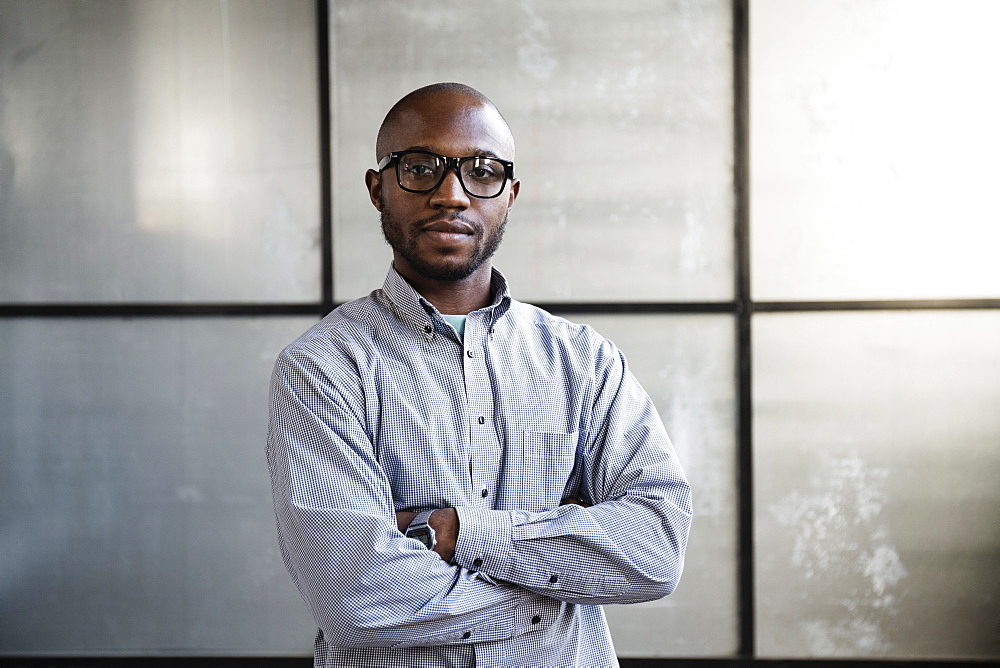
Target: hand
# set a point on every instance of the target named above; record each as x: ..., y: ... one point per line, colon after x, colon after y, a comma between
x: 403, y: 519
x: 444, y: 521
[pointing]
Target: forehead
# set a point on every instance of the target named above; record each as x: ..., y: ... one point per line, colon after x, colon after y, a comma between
x: 450, y: 125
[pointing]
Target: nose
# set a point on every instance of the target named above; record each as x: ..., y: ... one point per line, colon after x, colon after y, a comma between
x: 450, y: 194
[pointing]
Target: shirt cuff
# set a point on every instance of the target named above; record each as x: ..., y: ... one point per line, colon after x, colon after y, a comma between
x: 484, y: 541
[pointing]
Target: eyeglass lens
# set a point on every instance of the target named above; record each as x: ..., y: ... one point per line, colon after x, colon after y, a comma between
x: 481, y: 176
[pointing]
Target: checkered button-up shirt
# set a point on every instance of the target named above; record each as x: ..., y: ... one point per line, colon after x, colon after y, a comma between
x: 382, y: 407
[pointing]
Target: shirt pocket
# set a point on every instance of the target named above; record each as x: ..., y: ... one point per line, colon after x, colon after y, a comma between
x: 547, y: 460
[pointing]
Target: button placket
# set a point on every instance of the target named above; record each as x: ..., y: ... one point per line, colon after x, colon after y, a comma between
x: 485, y: 450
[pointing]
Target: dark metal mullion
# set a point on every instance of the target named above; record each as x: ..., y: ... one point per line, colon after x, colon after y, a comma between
x: 877, y: 305
x: 325, y: 154
x: 155, y: 309
x: 637, y: 307
x: 744, y: 456
x: 307, y: 662
x: 741, y: 307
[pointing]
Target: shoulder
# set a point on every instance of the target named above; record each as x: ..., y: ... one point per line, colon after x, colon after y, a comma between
x: 555, y: 331
x: 341, y: 337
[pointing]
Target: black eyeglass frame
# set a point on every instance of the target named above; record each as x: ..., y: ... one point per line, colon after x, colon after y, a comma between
x: 449, y: 163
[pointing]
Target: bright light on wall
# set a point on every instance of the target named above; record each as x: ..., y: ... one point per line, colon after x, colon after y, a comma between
x: 184, y: 122
x: 874, y: 144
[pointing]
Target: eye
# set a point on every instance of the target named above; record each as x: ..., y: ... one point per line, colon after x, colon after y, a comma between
x: 419, y: 170
x: 420, y: 166
x: 485, y: 169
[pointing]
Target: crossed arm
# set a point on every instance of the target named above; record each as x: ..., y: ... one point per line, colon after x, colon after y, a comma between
x: 445, y: 523
x: 342, y: 539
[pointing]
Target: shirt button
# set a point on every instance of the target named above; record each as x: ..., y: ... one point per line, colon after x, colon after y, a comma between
x: 536, y: 619
x: 428, y: 329
x: 469, y: 353
x: 482, y: 420
x: 485, y: 493
x: 477, y: 563
x: 467, y: 634
x: 554, y: 579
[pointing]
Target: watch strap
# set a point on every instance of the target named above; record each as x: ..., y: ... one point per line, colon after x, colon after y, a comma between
x: 421, y: 530
x: 421, y: 519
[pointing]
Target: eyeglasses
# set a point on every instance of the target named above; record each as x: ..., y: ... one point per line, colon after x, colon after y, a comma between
x: 422, y: 172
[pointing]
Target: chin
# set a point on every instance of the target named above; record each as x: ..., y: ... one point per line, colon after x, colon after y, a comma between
x: 446, y: 273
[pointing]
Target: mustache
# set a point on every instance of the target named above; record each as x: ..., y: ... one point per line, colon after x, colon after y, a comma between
x: 447, y: 219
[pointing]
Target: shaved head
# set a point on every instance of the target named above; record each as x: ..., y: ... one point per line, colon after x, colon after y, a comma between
x: 443, y: 235
x: 436, y: 99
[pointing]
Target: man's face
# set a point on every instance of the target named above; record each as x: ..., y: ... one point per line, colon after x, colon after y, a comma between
x: 446, y: 234
x: 451, y: 257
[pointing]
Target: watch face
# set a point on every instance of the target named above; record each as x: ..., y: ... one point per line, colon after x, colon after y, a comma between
x: 423, y: 534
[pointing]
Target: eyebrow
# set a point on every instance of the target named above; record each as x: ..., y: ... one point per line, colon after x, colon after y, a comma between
x: 483, y: 153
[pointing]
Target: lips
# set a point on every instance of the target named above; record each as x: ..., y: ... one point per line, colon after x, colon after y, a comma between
x: 448, y: 232
x: 449, y: 227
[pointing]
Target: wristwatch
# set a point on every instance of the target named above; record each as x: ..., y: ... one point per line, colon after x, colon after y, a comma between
x: 421, y: 530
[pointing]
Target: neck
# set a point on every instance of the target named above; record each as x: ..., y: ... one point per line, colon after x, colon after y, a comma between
x: 459, y: 297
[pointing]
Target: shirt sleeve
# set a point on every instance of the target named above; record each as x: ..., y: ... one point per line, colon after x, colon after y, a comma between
x: 366, y: 584
x: 629, y: 545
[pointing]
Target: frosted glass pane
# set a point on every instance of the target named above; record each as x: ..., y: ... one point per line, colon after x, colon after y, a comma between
x: 687, y: 365
x: 158, y: 151
x: 876, y: 462
x: 873, y: 149
x: 636, y: 97
x: 136, y: 509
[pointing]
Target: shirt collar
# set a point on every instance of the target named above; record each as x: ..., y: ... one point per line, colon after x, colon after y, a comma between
x: 416, y: 312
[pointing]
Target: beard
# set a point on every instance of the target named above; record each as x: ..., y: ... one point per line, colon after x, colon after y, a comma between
x: 403, y: 239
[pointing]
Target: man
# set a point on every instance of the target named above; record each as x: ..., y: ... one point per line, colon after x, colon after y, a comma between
x: 460, y: 479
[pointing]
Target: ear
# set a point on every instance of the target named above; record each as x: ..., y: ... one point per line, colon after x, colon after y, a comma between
x: 515, y: 187
x: 373, y: 180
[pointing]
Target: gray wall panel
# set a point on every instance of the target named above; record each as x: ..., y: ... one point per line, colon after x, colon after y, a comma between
x: 876, y: 461
x: 158, y: 151
x: 623, y: 118
x: 136, y: 512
